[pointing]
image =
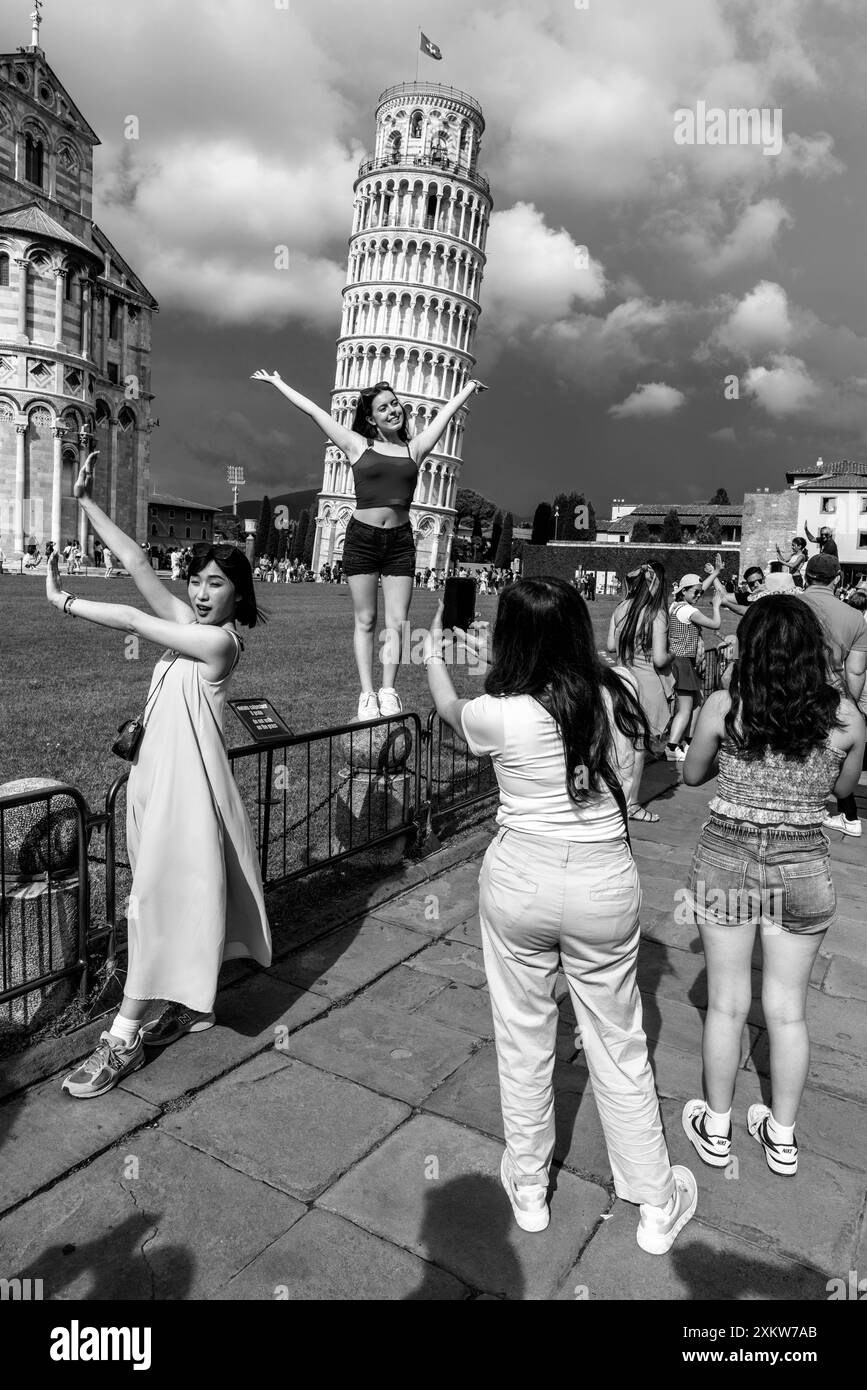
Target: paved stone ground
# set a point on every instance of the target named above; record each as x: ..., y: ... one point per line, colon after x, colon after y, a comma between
x: 338, y: 1134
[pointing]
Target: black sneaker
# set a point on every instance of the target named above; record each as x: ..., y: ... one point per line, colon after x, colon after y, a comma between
x: 780, y: 1158
x: 711, y: 1148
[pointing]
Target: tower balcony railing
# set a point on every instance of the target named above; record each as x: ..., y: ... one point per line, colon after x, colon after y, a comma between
x: 435, y: 88
x: 432, y: 162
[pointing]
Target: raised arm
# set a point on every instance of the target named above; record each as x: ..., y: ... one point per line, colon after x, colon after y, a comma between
x: 702, y: 620
x: 130, y: 555
x: 423, y: 444
x: 810, y: 537
x: 712, y: 571
x: 352, y: 444
x: 209, y: 644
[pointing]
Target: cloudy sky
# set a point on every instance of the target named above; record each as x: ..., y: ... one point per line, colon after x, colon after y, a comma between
x: 713, y: 332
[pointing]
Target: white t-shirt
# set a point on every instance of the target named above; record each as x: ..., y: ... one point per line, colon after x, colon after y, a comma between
x: 526, y: 748
x: 683, y: 611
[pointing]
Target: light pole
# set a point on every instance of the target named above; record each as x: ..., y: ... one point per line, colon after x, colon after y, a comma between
x: 235, y: 479
x: 556, y: 523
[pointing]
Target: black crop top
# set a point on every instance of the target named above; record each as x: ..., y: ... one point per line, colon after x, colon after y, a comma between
x: 381, y: 480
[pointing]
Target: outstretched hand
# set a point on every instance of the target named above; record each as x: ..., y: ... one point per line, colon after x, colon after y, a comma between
x: 53, y: 587
x: 84, y: 482
x: 480, y: 386
x: 261, y: 375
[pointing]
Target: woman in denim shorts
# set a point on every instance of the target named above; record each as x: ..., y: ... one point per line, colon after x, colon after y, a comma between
x: 379, y: 542
x: 784, y: 739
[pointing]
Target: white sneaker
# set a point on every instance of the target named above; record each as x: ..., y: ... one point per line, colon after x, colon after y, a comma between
x: 658, y: 1227
x: 389, y: 701
x: 780, y: 1158
x: 368, y: 706
x: 529, y: 1200
x: 846, y: 827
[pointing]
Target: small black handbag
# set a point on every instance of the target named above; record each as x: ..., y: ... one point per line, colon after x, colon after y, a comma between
x: 131, y: 731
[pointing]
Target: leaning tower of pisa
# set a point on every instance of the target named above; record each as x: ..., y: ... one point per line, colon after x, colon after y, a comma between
x: 411, y: 299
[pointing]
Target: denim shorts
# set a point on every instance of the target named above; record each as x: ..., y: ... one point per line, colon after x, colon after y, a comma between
x: 779, y: 878
x: 379, y: 550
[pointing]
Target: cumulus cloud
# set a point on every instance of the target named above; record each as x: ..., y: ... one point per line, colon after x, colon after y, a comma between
x: 759, y: 323
x: 714, y: 244
x: 535, y: 274
x: 723, y: 436
x: 651, y: 400
x: 784, y: 388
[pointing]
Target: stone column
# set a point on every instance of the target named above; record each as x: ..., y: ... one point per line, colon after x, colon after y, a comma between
x: 84, y: 538
x: 22, y: 300
x: 59, y: 295
x: 18, y: 503
x: 58, y: 431
x: 112, y: 449
x: 103, y: 355
x: 84, y: 340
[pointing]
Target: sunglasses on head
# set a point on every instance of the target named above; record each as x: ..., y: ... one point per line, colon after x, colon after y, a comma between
x: 201, y: 549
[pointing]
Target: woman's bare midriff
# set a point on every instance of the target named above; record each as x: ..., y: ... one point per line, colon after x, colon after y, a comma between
x: 389, y: 518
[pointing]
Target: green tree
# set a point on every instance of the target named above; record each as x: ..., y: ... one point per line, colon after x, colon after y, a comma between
x: 671, y: 533
x: 470, y: 503
x: 503, y: 556
x: 566, y: 502
x: 297, y: 550
x: 496, y: 532
x: 543, y: 524
x: 263, y: 526
x: 309, y: 541
x: 641, y: 533
x: 708, y: 531
x: 720, y: 498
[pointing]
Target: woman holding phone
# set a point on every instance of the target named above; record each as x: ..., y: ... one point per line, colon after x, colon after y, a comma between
x: 559, y: 887
x: 379, y: 542
x: 196, y: 897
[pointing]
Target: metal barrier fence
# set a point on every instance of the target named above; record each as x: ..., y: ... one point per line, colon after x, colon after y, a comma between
x: 313, y: 799
x: 44, y: 894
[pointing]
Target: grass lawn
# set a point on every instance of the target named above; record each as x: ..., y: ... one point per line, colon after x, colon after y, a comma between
x: 65, y: 685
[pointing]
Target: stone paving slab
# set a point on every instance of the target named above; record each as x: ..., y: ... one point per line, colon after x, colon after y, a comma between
x: 453, y: 960
x: 325, y: 1257
x: 346, y: 960
x: 813, y: 1218
x: 179, y: 1229
x: 461, y: 1006
x: 460, y: 1219
x: 472, y: 1097
x: 44, y: 1133
x: 405, y: 1055
x: 846, y: 979
x: 199, y: 1058
x: 286, y: 1124
x: 405, y: 989
x: 437, y: 906
x: 703, y: 1264
x: 836, y: 1073
x: 469, y: 932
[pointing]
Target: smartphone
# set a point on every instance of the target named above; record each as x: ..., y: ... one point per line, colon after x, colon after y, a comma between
x: 459, y: 603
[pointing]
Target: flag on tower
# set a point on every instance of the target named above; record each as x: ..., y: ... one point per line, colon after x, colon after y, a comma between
x: 430, y: 48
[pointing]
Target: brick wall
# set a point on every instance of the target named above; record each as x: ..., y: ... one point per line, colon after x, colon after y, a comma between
x: 770, y: 519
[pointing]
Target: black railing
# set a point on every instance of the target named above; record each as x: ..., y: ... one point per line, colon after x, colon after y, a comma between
x: 436, y: 88
x: 433, y: 163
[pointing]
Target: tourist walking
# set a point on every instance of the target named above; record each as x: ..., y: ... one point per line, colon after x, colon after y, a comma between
x: 196, y: 897
x: 638, y: 637
x: 559, y: 888
x: 782, y: 738
x: 379, y: 542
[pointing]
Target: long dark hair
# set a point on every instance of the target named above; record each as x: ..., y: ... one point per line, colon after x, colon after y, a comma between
x: 781, y: 697
x: 637, y: 627
x: 543, y: 645
x: 362, y: 422
x: 236, y: 567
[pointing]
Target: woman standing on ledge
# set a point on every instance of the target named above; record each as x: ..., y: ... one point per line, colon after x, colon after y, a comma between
x: 196, y: 896
x: 379, y: 541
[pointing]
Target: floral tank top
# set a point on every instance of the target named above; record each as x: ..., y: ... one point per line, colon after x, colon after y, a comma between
x: 775, y: 789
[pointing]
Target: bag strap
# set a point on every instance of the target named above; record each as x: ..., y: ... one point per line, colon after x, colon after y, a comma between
x: 156, y: 689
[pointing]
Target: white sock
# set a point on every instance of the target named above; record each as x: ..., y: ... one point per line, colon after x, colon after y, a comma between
x: 781, y: 1134
x: 125, y: 1028
x: 717, y: 1123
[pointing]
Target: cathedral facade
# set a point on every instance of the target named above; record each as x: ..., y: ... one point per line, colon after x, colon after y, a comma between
x: 411, y: 299
x: 75, y: 324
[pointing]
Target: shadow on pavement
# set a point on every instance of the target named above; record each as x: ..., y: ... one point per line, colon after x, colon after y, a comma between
x: 470, y: 1217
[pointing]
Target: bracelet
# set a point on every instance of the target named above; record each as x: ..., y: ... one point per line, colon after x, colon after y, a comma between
x: 437, y: 660
x: 70, y: 598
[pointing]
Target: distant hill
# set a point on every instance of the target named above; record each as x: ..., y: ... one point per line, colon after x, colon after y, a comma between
x: 295, y: 501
